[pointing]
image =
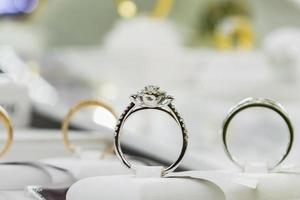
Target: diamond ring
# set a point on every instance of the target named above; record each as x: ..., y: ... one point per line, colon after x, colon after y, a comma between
x: 257, y: 102
x: 151, y: 97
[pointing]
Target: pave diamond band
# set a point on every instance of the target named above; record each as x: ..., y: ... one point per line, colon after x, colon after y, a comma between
x: 257, y: 102
x: 151, y: 97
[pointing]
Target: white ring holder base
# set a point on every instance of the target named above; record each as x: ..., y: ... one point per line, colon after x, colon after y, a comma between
x: 250, y: 186
x: 145, y: 185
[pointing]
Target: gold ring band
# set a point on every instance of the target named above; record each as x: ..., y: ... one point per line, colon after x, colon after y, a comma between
x: 9, y: 127
x: 75, y: 109
x: 127, y: 8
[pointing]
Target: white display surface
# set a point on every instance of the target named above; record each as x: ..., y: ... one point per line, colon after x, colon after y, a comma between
x: 208, y: 185
x: 129, y: 187
x: 253, y: 186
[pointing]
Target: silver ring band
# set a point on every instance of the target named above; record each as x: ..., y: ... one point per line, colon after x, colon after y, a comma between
x: 257, y: 102
x: 151, y: 98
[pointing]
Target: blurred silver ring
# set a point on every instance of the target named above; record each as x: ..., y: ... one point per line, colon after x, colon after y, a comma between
x: 257, y: 102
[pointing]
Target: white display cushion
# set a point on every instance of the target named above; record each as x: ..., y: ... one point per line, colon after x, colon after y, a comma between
x: 252, y: 186
x: 133, y: 188
x: 277, y: 186
x: 208, y: 185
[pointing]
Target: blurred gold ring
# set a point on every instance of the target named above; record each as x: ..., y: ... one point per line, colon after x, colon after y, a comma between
x: 75, y: 109
x: 128, y: 9
x: 9, y: 127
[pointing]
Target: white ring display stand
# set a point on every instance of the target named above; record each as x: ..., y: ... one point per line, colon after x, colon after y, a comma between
x: 129, y: 187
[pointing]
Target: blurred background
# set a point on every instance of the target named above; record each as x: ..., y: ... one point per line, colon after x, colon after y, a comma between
x: 208, y: 54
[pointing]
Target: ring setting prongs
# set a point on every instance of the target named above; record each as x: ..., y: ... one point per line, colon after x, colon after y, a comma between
x: 151, y: 96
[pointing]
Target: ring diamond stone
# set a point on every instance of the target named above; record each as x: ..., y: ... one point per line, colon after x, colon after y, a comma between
x: 151, y: 96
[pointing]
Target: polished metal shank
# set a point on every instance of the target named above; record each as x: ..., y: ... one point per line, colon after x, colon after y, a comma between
x: 257, y: 102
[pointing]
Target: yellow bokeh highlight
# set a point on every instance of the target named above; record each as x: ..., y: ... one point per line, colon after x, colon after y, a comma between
x: 162, y: 8
x: 127, y: 9
x: 239, y: 36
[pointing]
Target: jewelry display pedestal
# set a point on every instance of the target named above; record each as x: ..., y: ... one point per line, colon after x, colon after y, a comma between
x: 276, y: 186
x: 252, y: 186
x: 209, y: 185
x: 130, y: 187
